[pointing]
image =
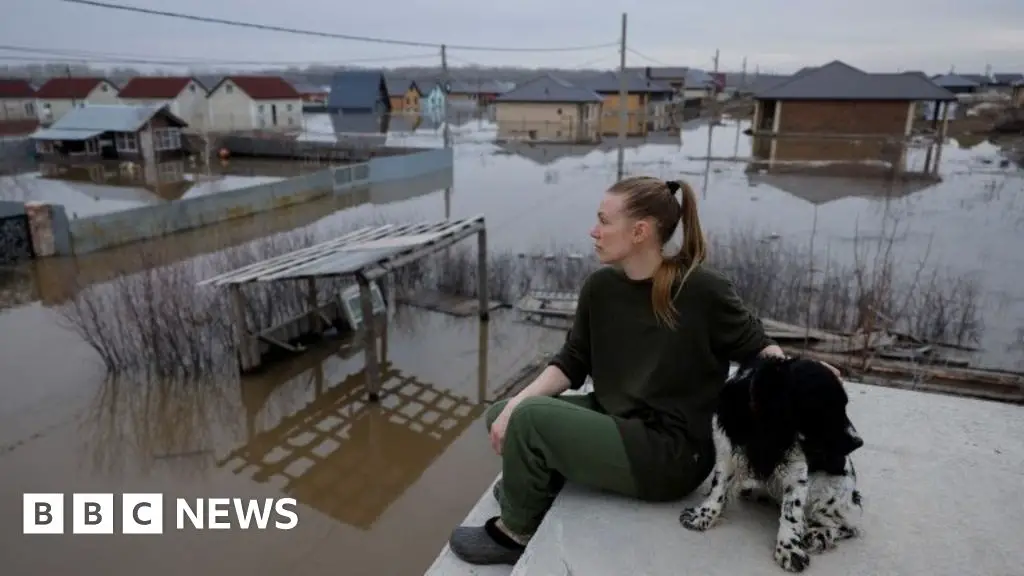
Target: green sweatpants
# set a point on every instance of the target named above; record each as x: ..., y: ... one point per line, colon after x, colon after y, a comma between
x: 549, y: 441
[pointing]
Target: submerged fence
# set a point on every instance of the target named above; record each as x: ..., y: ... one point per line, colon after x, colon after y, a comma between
x: 107, y: 230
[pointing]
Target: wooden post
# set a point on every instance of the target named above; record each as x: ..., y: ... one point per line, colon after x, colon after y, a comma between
x: 315, y: 322
x: 941, y: 138
x: 481, y: 273
x: 372, y: 369
x: 248, y: 355
x: 482, y: 346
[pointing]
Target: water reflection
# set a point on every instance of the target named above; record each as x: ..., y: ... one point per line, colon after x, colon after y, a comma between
x: 149, y: 426
x: 345, y: 457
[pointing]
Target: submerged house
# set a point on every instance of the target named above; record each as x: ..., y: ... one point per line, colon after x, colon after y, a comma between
x: 404, y: 94
x: 17, y: 100
x: 839, y: 113
x: 549, y: 109
x: 433, y: 95
x: 647, y: 103
x: 146, y: 134
x: 264, y: 103
x: 957, y: 84
x: 359, y: 92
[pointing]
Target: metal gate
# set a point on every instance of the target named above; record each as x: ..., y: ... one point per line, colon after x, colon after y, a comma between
x: 15, y: 239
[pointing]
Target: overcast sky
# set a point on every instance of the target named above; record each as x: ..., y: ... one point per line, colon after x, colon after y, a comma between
x: 776, y: 35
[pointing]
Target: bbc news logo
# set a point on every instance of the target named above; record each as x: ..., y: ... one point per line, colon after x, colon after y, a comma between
x: 144, y: 513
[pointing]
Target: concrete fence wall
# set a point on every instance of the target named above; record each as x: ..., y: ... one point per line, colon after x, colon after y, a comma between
x: 385, y: 168
x: 136, y: 224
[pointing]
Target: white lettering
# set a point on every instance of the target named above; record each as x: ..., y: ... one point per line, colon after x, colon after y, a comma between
x: 195, y: 516
x: 253, y: 509
x: 286, y: 507
x: 218, y: 508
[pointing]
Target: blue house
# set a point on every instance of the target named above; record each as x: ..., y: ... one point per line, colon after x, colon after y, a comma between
x: 359, y: 92
x: 433, y: 98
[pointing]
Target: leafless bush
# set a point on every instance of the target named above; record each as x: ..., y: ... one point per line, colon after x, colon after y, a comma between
x: 783, y: 282
x: 160, y: 322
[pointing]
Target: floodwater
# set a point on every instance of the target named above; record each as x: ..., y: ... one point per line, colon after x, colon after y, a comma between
x: 380, y: 488
x: 94, y: 190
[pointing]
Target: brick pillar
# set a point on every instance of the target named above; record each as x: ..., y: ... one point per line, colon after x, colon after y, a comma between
x: 40, y: 225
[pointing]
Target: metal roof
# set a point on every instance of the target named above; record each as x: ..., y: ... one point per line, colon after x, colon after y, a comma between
x: 608, y: 82
x: 839, y: 81
x: 98, y: 118
x: 372, y: 251
x: 547, y: 88
x: 357, y: 89
x: 954, y: 81
x: 58, y: 134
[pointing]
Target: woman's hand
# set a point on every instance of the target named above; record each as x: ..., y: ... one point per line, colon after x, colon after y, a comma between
x: 501, y: 424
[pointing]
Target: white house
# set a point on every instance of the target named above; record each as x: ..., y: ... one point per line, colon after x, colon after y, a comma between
x: 17, y: 100
x: 184, y: 96
x: 58, y: 95
x: 267, y: 103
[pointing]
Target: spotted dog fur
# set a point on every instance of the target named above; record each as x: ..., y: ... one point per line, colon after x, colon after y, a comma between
x: 781, y: 435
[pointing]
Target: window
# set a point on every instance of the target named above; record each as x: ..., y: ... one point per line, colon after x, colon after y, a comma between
x: 44, y: 147
x: 90, y: 147
x: 167, y: 139
x: 103, y: 87
x: 228, y: 88
x: 30, y: 109
x: 290, y: 108
x: 260, y: 108
x: 126, y: 142
x: 192, y: 88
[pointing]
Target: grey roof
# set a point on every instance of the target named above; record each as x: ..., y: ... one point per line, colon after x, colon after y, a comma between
x: 397, y: 86
x: 98, y: 118
x: 547, y: 88
x: 954, y: 81
x: 356, y: 89
x: 1008, y: 78
x: 760, y: 82
x: 608, y: 82
x: 839, y: 81
x: 981, y: 79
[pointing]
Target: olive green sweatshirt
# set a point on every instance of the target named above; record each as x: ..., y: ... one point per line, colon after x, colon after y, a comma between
x: 660, y: 383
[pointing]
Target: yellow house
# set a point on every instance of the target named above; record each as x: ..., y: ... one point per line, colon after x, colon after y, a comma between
x: 404, y: 95
x: 647, y: 103
x: 549, y: 109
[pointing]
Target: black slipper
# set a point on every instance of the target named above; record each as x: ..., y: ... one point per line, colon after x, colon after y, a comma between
x: 485, y: 544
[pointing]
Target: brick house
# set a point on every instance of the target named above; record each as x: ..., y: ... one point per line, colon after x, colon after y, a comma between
x: 185, y: 96
x: 549, y: 109
x: 59, y: 95
x: 261, y: 103
x: 647, y: 102
x: 837, y: 112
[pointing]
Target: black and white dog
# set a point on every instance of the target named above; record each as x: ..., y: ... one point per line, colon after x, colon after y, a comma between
x: 781, y: 432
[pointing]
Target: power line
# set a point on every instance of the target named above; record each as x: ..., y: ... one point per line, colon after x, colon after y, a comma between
x: 59, y: 55
x: 336, y: 36
x: 648, y: 58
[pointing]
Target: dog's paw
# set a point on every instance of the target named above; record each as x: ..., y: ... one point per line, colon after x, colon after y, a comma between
x: 791, y: 556
x: 699, y: 519
x: 819, y: 539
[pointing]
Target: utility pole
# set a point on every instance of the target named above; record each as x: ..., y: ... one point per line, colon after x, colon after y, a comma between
x: 446, y: 83
x: 743, y: 75
x: 623, y: 100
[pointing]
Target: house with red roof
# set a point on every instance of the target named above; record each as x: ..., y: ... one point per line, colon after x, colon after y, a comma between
x: 17, y: 100
x: 184, y: 96
x: 58, y: 95
x: 262, y: 103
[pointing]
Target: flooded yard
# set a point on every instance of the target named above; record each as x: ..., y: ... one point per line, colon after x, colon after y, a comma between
x: 380, y: 487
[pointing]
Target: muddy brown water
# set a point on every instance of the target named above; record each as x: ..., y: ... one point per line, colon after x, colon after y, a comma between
x: 377, y: 494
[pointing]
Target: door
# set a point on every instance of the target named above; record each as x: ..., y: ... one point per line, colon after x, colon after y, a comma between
x: 273, y: 114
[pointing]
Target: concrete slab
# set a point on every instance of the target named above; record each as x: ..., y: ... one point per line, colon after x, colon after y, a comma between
x: 943, y: 484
